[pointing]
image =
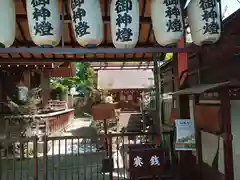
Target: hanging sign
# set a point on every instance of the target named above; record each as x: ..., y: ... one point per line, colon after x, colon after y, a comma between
x: 185, y: 140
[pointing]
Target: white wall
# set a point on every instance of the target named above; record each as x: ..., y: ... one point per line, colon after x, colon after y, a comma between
x: 124, y: 79
x: 209, y: 150
x: 235, y: 113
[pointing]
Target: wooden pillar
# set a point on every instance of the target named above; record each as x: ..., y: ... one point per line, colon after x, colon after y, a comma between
x: 156, y: 72
x: 185, y: 170
x: 27, y: 78
x: 1, y: 92
x: 194, y: 100
x: 45, y: 85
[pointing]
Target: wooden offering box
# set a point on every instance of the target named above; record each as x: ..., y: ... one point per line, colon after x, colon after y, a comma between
x: 146, y: 161
x: 104, y: 111
x: 208, y: 118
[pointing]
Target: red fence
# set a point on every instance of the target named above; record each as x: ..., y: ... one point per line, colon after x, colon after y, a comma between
x: 40, y: 124
x: 58, y: 122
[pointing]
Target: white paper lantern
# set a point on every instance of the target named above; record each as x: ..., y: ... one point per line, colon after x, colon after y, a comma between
x: 87, y: 22
x: 8, y: 23
x: 125, y: 23
x: 204, y: 20
x: 167, y: 22
x: 44, y: 22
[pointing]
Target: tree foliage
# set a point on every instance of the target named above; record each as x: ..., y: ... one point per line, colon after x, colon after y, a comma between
x: 84, y: 81
x: 168, y: 56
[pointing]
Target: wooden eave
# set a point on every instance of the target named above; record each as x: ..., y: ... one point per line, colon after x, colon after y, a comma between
x: 202, y: 88
x: 23, y: 39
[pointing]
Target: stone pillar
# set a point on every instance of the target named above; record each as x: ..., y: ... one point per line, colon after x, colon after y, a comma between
x: 45, y: 85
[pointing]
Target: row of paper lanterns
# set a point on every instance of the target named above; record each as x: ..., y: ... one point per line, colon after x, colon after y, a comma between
x: 44, y: 22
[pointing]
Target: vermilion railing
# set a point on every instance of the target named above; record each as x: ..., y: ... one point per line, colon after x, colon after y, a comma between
x: 39, y: 124
x: 58, y: 121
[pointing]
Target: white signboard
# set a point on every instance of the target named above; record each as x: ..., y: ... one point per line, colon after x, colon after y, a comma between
x: 185, y: 140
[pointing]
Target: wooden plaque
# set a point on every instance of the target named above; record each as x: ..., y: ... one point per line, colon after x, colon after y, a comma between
x: 208, y: 118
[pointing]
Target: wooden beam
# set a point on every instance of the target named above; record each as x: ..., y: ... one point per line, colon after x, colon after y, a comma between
x: 81, y: 51
x: 122, y: 68
x: 47, y: 60
x: 67, y: 19
x: 121, y: 65
x: 74, y: 44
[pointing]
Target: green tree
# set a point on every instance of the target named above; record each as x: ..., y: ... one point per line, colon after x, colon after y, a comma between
x: 86, y: 77
x: 168, y: 56
x: 84, y: 81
